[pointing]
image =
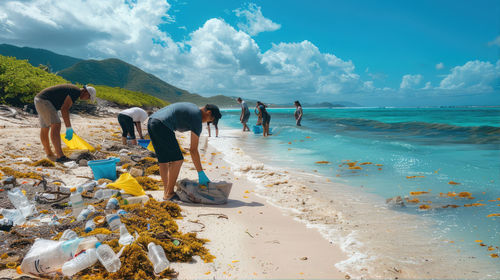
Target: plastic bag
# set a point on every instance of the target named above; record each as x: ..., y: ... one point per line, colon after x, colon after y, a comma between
x: 128, y: 184
x: 150, y: 147
x: 76, y: 143
x: 214, y: 193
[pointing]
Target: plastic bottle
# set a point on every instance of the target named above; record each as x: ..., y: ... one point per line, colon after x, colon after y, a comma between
x: 136, y: 199
x: 108, y: 258
x: 89, y: 226
x: 46, y: 256
x: 104, y: 193
x: 89, y: 186
x: 85, y: 213
x: 125, y: 237
x: 14, y: 215
x: 20, y: 201
x: 76, y: 202
x: 113, y: 221
x: 87, y: 243
x: 156, y: 255
x: 113, y: 204
x: 122, y: 212
x: 68, y: 235
x: 83, y: 260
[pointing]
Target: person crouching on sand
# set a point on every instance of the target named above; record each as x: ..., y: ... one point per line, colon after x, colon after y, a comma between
x: 129, y: 118
x: 47, y: 103
x: 245, y: 114
x: 181, y: 117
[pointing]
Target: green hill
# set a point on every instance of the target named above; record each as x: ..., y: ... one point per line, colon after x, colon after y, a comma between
x: 54, y: 61
x: 116, y: 73
x: 20, y: 82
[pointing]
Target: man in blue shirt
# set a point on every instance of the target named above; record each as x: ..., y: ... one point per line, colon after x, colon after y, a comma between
x: 180, y: 117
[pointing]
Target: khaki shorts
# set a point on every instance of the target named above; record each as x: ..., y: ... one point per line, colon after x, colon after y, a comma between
x: 47, y: 113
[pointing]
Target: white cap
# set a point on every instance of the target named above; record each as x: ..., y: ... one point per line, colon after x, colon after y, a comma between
x: 92, y: 93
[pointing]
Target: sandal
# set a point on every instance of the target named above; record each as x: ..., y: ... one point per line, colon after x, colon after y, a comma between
x: 63, y: 159
x: 172, y: 198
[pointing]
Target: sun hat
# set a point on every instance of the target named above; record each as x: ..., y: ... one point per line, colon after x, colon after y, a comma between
x: 92, y: 92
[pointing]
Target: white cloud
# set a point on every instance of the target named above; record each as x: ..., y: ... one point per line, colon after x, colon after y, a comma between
x: 255, y: 20
x: 439, y: 66
x: 410, y: 81
x: 427, y: 85
x: 474, y: 76
x: 495, y: 42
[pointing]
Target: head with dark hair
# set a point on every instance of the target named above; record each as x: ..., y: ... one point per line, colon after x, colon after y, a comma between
x: 214, y: 110
x: 239, y: 99
x: 297, y: 103
x: 260, y: 103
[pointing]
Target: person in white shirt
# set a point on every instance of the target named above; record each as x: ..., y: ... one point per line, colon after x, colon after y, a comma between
x: 127, y: 119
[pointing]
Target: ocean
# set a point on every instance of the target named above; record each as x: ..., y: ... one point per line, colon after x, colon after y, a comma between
x: 444, y: 164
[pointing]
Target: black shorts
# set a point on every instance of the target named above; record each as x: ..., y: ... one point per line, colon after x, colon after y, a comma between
x: 163, y: 138
x: 127, y: 124
x: 266, y: 119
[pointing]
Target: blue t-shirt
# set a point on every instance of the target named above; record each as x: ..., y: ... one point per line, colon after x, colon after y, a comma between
x: 182, y: 116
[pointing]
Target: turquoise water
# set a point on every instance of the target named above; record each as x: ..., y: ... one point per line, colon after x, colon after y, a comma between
x: 438, y: 145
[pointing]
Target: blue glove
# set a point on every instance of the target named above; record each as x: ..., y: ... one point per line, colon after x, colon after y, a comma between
x: 69, y: 133
x: 202, y: 178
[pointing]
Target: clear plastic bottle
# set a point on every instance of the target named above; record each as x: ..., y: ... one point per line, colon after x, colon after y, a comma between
x: 89, y: 226
x: 68, y: 235
x: 108, y: 258
x: 113, y: 204
x: 21, y: 202
x: 87, y: 243
x: 46, y: 256
x: 114, y: 221
x: 76, y: 202
x: 125, y: 237
x: 14, y: 215
x: 156, y: 255
x: 85, y: 213
x: 89, y: 186
x: 104, y: 193
x: 136, y: 199
x: 83, y: 260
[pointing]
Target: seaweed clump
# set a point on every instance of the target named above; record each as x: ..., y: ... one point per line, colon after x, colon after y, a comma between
x: 44, y: 162
x: 153, y: 170
x: 148, y: 183
x: 11, y: 172
x: 146, y: 162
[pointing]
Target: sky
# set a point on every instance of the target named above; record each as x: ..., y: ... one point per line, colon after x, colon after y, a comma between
x: 373, y: 53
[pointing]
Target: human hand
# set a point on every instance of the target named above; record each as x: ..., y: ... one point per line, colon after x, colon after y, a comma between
x: 69, y: 133
x: 202, y: 178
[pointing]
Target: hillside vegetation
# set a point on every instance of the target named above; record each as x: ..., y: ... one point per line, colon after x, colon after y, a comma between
x: 20, y: 82
x: 55, y: 62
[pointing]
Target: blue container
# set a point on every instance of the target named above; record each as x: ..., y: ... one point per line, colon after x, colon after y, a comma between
x: 143, y: 142
x: 257, y: 129
x: 104, y: 168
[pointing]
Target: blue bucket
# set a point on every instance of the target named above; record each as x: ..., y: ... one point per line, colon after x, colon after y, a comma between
x: 143, y: 142
x: 257, y: 129
x: 104, y: 168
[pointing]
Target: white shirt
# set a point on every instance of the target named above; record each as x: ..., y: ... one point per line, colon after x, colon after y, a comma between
x: 136, y: 113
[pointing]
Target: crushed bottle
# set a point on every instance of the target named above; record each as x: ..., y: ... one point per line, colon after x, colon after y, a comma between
x: 156, y: 255
x: 108, y: 258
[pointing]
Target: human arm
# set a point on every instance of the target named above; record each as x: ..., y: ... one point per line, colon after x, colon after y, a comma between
x: 68, y: 102
x: 139, y: 129
x: 195, y: 156
x: 208, y: 128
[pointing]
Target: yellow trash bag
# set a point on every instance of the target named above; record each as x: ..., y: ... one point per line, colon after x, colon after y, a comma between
x: 129, y: 184
x: 150, y: 147
x: 77, y: 143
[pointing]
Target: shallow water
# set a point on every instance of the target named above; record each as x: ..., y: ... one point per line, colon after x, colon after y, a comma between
x: 436, y: 145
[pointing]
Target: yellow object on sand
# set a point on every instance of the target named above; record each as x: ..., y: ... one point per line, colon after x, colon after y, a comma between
x: 77, y: 143
x: 150, y: 147
x: 129, y: 184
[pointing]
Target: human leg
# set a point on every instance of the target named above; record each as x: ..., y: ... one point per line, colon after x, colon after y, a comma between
x: 55, y: 137
x: 44, y: 137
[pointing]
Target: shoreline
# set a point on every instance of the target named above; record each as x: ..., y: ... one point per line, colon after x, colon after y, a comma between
x: 292, y: 228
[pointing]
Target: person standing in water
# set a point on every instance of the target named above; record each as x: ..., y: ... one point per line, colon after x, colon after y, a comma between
x: 298, y: 113
x: 245, y: 114
x: 266, y: 118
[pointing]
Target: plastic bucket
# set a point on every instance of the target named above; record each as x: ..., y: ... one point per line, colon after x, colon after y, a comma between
x: 104, y: 168
x: 143, y: 142
x: 257, y: 129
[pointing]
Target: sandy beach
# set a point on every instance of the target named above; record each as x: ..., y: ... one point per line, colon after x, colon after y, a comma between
x: 249, y: 237
x: 277, y: 223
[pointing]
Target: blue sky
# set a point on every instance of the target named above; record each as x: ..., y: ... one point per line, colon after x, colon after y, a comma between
x: 384, y: 53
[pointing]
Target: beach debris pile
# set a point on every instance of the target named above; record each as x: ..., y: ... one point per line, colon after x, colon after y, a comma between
x: 90, y: 231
